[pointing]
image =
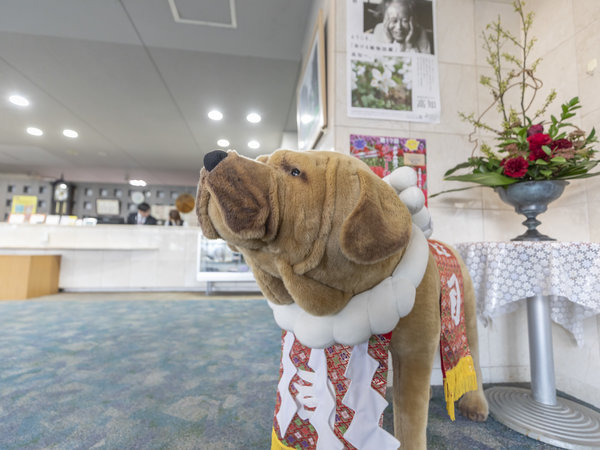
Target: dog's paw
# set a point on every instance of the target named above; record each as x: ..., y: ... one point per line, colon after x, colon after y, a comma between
x: 474, y: 406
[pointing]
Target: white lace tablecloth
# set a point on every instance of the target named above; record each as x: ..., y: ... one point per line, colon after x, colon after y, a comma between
x: 505, y: 273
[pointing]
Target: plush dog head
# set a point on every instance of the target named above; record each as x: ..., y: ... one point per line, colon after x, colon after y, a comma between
x: 316, y: 227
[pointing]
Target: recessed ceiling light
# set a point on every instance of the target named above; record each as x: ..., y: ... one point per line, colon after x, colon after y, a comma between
x: 223, y: 143
x: 215, y: 115
x: 18, y: 100
x: 253, y: 117
x: 253, y: 144
x: 70, y: 133
x: 34, y: 131
x: 306, y: 118
x: 137, y: 182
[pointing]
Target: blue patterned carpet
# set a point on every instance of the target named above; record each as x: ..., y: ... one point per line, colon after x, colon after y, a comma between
x: 189, y: 374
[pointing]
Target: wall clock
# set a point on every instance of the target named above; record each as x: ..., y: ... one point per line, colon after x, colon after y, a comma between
x: 61, y: 192
x: 62, y: 197
x: 137, y: 197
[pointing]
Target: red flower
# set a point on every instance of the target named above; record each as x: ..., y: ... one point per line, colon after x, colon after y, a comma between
x: 515, y: 167
x: 538, y: 153
x: 539, y: 139
x: 535, y: 129
x: 536, y: 141
x: 388, y: 154
x: 563, y: 147
x: 561, y: 143
x: 378, y: 170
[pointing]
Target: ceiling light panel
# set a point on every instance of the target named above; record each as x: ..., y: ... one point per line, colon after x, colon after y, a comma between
x: 253, y: 117
x: 70, y: 133
x: 34, y: 131
x: 215, y: 115
x: 18, y: 100
x: 212, y: 14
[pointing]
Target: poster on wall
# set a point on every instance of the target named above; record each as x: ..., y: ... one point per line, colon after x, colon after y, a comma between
x: 391, y: 60
x: 24, y: 204
x: 384, y: 154
x: 108, y: 207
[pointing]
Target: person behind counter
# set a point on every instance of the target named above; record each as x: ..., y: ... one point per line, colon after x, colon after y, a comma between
x: 175, y: 219
x: 142, y: 217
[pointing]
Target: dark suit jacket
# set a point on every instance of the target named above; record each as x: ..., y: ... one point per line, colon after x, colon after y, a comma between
x: 132, y: 219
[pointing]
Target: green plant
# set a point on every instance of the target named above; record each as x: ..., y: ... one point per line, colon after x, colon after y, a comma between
x: 523, y: 151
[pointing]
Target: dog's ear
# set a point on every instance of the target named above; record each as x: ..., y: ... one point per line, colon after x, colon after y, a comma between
x: 262, y: 158
x: 202, y: 197
x: 379, y: 225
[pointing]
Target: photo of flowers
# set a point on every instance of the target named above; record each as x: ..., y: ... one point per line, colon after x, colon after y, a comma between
x: 384, y: 154
x: 384, y: 83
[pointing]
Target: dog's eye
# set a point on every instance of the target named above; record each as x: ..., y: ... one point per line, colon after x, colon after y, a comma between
x: 295, y: 172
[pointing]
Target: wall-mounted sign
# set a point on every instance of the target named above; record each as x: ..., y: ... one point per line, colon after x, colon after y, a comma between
x: 391, y: 63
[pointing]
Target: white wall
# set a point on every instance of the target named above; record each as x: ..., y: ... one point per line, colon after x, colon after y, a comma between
x: 567, y: 30
x: 289, y: 140
x: 568, y: 41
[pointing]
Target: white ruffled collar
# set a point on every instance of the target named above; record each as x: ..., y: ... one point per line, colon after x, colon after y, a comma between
x: 375, y: 311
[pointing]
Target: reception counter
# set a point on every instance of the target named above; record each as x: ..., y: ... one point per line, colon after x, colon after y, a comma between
x: 118, y: 257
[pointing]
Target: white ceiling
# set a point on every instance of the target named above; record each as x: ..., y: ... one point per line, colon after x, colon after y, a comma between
x: 137, y: 85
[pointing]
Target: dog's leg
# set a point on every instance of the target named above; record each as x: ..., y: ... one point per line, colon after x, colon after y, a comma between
x: 472, y: 405
x: 414, y: 342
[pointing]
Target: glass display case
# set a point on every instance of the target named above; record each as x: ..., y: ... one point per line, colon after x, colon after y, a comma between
x: 218, y: 263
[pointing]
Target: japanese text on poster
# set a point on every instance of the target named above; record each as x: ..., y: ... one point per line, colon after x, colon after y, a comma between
x: 392, y: 68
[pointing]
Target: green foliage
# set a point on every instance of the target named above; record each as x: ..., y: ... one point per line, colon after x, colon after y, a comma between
x: 561, y: 152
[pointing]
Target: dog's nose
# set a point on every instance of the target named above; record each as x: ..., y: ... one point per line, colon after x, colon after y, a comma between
x: 212, y: 159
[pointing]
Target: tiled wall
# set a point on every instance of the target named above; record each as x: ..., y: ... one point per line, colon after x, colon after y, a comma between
x: 86, y: 194
x: 568, y: 39
x: 10, y: 187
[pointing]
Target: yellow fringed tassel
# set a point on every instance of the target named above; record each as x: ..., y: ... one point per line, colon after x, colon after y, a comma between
x: 276, y: 444
x: 458, y: 381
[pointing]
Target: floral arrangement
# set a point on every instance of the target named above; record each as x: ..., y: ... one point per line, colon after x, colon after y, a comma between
x: 529, y: 147
x: 382, y: 84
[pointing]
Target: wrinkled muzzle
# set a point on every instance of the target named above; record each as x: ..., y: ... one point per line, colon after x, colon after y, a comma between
x: 237, y: 198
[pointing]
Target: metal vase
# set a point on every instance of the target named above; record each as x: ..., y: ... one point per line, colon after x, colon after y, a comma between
x: 532, y: 198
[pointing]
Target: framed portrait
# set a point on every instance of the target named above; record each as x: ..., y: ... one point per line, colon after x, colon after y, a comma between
x: 311, y: 96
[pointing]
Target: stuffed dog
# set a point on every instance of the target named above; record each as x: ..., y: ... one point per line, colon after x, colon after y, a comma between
x: 337, y: 255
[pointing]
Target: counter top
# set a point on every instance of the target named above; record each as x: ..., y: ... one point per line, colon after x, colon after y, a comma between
x: 98, y: 237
